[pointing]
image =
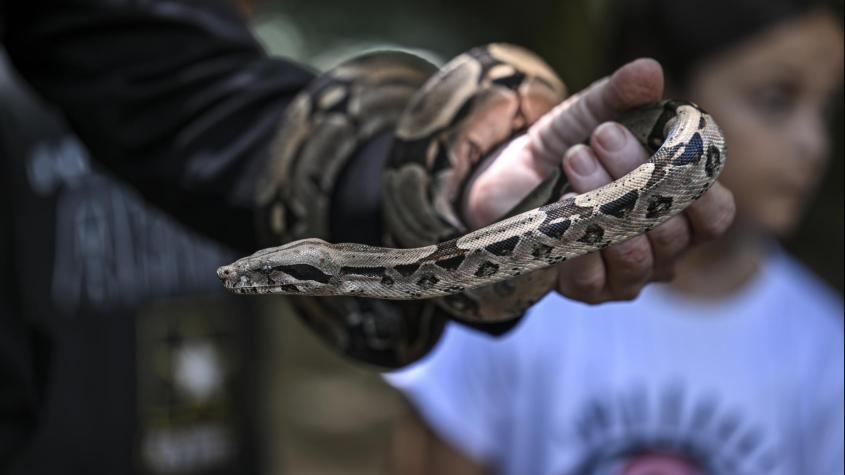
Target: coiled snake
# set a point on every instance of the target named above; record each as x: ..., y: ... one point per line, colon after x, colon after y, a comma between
x: 436, y: 151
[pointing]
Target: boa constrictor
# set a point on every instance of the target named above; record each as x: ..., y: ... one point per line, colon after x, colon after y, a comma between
x: 462, y: 114
x: 443, y: 126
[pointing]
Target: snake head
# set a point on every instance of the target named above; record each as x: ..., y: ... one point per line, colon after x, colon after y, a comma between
x: 283, y: 270
x: 230, y: 276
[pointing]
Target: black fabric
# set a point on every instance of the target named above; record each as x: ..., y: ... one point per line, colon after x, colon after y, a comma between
x: 87, y: 266
x: 19, y: 397
x: 175, y: 97
x: 355, y: 214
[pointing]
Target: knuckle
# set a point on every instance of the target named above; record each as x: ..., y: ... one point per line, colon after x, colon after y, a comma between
x: 581, y: 286
x: 719, y: 216
x: 670, y: 237
x: 720, y: 222
x: 634, y: 256
x: 665, y: 240
x: 587, y: 283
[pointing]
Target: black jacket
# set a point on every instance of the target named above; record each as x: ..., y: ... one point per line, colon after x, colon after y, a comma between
x: 176, y: 99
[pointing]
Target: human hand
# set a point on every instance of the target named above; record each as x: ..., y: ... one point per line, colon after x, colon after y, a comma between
x: 619, y: 272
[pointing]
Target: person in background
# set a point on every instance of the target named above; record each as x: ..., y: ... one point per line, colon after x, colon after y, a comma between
x: 736, y: 366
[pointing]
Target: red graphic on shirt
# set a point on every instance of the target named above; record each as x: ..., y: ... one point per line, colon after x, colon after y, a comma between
x: 661, y: 464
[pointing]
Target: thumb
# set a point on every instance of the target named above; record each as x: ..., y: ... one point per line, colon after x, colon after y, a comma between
x: 635, y: 84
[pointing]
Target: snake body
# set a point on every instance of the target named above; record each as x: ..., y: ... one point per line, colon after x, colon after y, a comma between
x: 687, y: 154
x: 441, y: 134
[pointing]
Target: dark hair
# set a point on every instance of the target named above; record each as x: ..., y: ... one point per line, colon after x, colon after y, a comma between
x: 682, y: 33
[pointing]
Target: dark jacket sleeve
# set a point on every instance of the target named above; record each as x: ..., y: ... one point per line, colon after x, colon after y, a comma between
x: 18, y: 364
x: 174, y: 96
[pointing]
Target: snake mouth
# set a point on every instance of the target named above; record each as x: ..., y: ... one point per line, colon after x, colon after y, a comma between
x: 228, y: 277
x: 234, y: 280
x: 230, y: 283
x: 242, y: 290
x: 253, y: 289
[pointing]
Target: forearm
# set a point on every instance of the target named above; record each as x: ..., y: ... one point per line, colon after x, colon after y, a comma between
x: 177, y: 98
x: 19, y: 396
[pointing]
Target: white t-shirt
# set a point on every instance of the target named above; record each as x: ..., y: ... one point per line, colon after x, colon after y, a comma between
x: 749, y: 385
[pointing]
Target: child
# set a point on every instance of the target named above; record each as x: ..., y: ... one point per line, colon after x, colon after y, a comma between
x: 734, y: 367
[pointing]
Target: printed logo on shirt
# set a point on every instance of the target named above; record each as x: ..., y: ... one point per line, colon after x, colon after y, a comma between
x: 112, y: 250
x: 668, y: 432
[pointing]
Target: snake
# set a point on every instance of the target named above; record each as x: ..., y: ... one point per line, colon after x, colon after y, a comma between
x: 462, y: 114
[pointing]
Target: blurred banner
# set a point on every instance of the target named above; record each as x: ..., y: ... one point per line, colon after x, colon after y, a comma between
x: 143, y: 364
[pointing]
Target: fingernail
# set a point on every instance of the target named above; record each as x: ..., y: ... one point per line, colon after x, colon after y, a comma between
x: 611, y: 136
x: 582, y: 161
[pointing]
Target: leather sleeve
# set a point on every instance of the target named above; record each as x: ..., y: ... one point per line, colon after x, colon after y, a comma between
x: 174, y: 96
x: 18, y: 369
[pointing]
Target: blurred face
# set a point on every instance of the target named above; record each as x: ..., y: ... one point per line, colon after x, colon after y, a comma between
x: 772, y: 96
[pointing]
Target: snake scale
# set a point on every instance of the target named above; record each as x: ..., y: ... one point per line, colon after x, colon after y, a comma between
x: 437, y: 151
